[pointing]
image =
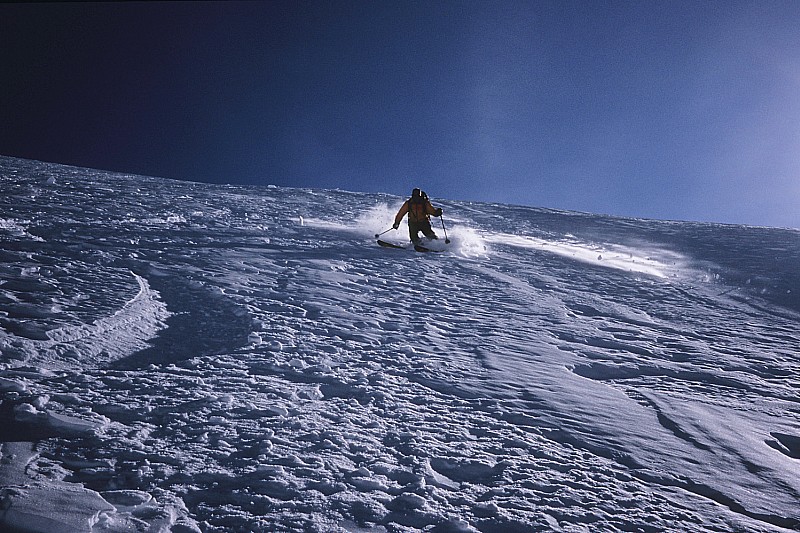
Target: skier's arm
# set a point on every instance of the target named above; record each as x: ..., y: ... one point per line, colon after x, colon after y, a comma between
x: 400, y: 215
x: 435, y: 211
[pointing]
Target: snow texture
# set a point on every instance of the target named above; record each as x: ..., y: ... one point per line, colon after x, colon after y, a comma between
x: 186, y: 357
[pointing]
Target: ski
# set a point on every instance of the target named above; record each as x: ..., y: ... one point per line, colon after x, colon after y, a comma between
x: 420, y: 248
x: 417, y: 247
x: 389, y: 244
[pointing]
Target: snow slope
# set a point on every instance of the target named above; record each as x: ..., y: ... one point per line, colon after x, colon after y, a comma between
x: 184, y: 357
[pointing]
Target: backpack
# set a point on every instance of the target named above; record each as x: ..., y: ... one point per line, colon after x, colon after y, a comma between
x: 417, y: 207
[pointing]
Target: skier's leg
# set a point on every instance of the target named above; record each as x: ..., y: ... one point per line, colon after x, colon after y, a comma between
x: 426, y: 229
x: 413, y: 231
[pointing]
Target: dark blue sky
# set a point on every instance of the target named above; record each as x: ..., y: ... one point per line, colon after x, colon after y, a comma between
x: 673, y: 110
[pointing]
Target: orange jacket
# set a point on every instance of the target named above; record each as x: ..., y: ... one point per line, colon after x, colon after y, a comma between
x: 418, y: 210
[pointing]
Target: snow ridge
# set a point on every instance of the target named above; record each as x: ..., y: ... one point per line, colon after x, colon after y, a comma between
x: 111, y: 338
x: 97, y: 344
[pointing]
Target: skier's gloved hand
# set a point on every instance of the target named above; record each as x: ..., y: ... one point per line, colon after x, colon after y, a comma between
x: 438, y: 212
x: 395, y: 226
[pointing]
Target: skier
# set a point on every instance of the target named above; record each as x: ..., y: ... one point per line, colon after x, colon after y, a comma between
x: 419, y: 210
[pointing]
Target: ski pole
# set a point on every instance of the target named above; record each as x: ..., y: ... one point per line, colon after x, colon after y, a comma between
x: 381, y: 233
x: 446, y: 240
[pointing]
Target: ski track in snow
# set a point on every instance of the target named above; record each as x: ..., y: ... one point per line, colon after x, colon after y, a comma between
x: 195, y: 357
